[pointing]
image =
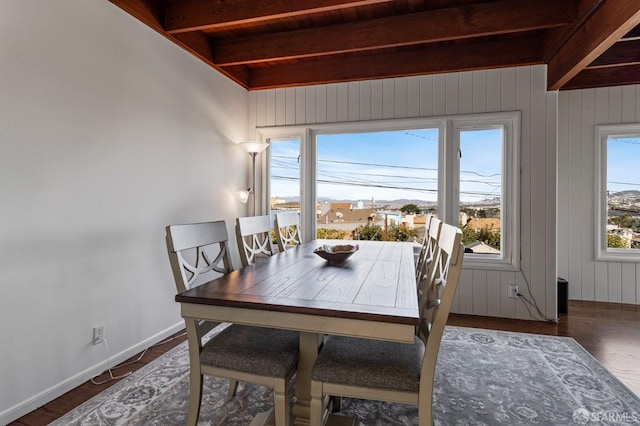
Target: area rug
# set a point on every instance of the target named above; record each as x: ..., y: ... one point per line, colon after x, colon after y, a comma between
x: 483, y: 377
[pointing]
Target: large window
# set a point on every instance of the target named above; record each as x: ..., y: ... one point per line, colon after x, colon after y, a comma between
x: 379, y: 180
x: 618, y: 192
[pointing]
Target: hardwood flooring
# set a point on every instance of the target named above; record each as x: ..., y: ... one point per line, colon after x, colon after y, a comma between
x: 610, y: 332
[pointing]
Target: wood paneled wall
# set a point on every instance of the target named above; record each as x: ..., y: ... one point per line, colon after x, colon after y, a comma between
x: 481, y: 291
x: 579, y: 111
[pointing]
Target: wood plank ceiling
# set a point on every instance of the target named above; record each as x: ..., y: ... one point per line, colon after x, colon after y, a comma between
x: 284, y: 43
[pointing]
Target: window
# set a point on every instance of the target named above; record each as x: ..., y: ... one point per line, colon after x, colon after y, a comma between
x: 389, y: 174
x: 618, y: 183
x: 486, y: 209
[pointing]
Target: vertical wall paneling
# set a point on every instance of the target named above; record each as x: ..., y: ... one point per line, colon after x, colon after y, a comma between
x: 494, y: 90
x: 426, y: 95
x: 321, y: 105
x: 466, y: 86
x: 481, y: 291
x: 508, y: 89
x: 628, y: 283
x: 388, y: 98
x: 300, y: 105
x: 523, y: 103
x: 637, y: 302
x: 439, y: 94
x: 587, y: 195
x: 310, y: 102
x: 353, y: 103
x: 575, y: 224
x: 628, y: 104
x: 452, y: 96
x: 480, y: 91
x: 342, y: 110
x: 563, y: 181
x: 365, y: 100
x: 538, y: 222
x: 400, y: 97
x: 270, y: 105
x: 494, y: 294
x: 413, y: 97
x: 580, y: 111
x: 551, y: 202
x: 376, y: 99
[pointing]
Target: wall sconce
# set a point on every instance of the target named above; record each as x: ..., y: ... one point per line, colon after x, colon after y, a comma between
x: 253, y: 148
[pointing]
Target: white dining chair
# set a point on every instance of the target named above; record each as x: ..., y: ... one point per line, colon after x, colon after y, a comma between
x: 254, y: 238
x: 427, y: 254
x: 258, y: 355
x: 391, y: 371
x: 287, y: 229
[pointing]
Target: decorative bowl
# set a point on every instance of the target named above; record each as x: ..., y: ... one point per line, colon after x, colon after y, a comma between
x: 337, y: 253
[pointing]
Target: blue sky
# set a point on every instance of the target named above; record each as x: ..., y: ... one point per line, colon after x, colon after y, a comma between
x: 623, y: 161
x: 389, y: 165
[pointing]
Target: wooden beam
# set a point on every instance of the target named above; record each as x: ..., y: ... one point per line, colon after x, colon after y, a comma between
x: 610, y: 22
x: 620, y: 54
x: 193, y: 15
x: 602, y: 77
x: 481, y: 19
x: 149, y: 12
x: 429, y: 60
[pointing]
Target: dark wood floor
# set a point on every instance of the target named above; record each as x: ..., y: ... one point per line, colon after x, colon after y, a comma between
x: 610, y: 332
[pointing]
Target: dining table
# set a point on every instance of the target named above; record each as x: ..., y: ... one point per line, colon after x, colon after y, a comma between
x: 372, y: 294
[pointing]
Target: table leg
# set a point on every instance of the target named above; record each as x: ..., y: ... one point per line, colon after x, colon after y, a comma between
x: 309, y: 344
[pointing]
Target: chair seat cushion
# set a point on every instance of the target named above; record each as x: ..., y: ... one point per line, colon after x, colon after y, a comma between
x: 369, y: 363
x: 255, y: 350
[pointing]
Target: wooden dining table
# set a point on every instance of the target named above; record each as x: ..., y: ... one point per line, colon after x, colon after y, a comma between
x: 372, y: 295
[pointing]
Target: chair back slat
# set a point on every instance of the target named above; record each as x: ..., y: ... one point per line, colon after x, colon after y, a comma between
x: 254, y: 238
x: 427, y: 254
x: 189, y: 248
x: 287, y: 228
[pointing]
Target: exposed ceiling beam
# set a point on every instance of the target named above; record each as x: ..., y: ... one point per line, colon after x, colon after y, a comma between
x: 429, y: 60
x: 610, y: 22
x: 621, y: 53
x: 463, y: 22
x: 194, y: 15
x: 601, y: 77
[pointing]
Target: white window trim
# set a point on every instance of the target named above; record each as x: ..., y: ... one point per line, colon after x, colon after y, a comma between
x: 448, y: 167
x: 603, y: 132
x: 509, y: 258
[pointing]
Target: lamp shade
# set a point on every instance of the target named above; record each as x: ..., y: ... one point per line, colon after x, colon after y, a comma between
x: 243, y: 196
x: 254, y: 147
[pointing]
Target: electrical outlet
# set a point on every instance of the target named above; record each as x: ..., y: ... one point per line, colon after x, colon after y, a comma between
x: 512, y: 291
x: 98, y: 334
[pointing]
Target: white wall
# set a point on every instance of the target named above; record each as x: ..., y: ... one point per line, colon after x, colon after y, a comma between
x: 481, y: 292
x: 108, y: 133
x: 579, y: 111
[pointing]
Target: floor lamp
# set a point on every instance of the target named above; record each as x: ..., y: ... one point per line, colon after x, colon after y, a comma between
x: 253, y: 148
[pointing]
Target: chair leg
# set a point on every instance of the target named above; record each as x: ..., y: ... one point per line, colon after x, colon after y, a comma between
x: 424, y: 408
x: 233, y: 388
x: 316, y: 407
x: 195, y: 397
x: 281, y: 402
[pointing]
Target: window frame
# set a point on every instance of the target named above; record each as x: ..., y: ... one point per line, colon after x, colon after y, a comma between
x: 509, y: 258
x: 603, y: 132
x: 448, y: 172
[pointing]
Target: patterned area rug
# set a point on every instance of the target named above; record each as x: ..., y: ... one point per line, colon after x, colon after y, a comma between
x: 483, y: 377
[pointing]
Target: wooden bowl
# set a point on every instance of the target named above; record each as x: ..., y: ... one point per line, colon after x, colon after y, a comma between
x: 337, y: 253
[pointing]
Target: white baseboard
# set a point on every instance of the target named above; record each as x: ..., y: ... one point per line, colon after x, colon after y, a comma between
x: 61, y: 388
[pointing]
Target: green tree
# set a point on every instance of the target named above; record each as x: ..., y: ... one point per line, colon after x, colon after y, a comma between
x: 616, y: 241
x: 410, y: 208
x: 331, y: 234
x: 401, y: 233
x: 368, y: 232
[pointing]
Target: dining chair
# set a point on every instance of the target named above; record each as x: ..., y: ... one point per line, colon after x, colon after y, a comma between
x: 254, y: 238
x: 429, y: 248
x: 287, y: 228
x: 391, y: 371
x: 258, y: 355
